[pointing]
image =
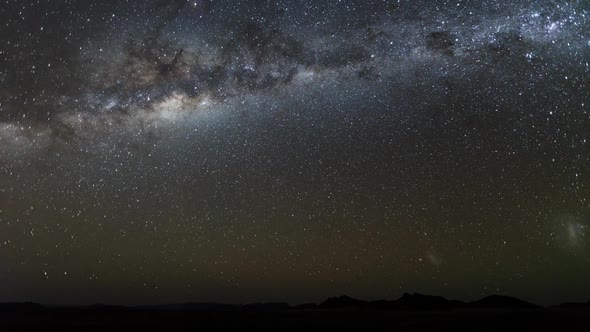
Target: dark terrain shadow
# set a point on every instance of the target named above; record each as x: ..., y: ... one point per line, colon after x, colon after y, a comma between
x: 413, y: 312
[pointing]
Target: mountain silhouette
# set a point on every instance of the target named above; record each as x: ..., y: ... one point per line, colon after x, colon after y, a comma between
x: 306, y: 306
x: 415, y: 311
x: 279, y: 306
x: 411, y: 302
x: 414, y: 301
x: 25, y: 307
x: 575, y: 305
x: 421, y: 301
x: 500, y: 301
x: 189, y: 306
x: 342, y: 302
x: 105, y: 307
x: 417, y: 301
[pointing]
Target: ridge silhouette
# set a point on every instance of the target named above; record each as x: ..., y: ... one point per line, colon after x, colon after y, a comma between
x: 500, y: 301
x: 407, y: 301
x: 416, y: 312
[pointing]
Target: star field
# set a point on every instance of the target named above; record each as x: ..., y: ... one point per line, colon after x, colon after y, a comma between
x: 241, y: 151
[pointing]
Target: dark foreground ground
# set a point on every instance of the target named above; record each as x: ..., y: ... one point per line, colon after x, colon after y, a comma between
x: 101, y: 319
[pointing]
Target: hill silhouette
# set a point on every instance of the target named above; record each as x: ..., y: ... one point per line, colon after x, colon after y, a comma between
x: 575, y: 305
x: 415, y: 301
x: 266, y: 306
x: 500, y: 301
x: 409, y: 312
x: 420, y: 301
x: 188, y: 306
x: 407, y: 301
x: 343, y: 301
x: 24, y: 307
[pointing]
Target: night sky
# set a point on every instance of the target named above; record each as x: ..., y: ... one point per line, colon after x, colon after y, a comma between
x: 243, y: 151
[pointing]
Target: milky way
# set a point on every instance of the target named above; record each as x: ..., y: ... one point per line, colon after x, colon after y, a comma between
x: 290, y: 150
